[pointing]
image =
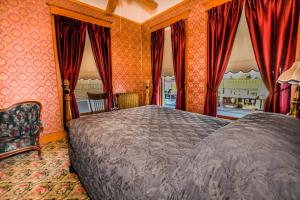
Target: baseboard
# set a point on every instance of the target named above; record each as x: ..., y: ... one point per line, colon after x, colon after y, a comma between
x: 52, y: 137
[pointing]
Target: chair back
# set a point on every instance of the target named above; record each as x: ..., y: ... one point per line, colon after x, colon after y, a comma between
x: 98, y: 102
x: 20, y: 127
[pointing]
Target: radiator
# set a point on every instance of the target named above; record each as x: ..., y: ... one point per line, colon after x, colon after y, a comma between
x: 127, y: 100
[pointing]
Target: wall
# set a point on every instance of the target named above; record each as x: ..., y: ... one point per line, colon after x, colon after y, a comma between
x: 129, y: 73
x: 27, y: 70
x: 195, y: 52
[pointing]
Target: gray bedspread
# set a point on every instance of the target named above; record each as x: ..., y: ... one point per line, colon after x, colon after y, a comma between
x: 125, y: 154
x: 158, y: 153
x: 256, y: 157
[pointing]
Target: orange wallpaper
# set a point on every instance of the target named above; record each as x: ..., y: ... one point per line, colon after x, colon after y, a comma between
x: 195, y: 52
x: 129, y: 74
x: 27, y: 70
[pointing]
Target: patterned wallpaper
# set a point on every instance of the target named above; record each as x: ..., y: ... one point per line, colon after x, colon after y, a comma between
x: 129, y: 74
x: 27, y: 70
x: 196, y: 50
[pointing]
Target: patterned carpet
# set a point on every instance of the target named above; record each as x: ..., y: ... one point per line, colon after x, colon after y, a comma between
x: 25, y: 176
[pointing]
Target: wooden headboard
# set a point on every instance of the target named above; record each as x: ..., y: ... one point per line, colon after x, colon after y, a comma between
x: 67, y: 106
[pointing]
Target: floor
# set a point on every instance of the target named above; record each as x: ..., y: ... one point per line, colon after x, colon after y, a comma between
x: 24, y: 176
x: 233, y: 112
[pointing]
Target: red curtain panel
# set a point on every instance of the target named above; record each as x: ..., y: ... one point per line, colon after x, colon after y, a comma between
x: 221, y: 30
x: 273, y: 29
x: 101, y: 47
x: 178, y: 51
x: 70, y: 37
x: 157, y: 49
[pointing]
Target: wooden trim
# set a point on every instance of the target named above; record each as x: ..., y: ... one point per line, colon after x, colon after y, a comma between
x: 55, y: 10
x: 227, y: 117
x: 182, y: 16
x: 20, y: 103
x: 13, y: 152
x: 57, y: 69
x: 28, y: 148
x: 214, y: 3
x: 52, y: 137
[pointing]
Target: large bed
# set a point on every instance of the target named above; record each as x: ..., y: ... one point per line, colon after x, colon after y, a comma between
x: 151, y: 152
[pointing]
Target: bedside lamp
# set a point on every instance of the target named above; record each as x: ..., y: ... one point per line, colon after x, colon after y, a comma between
x: 292, y: 76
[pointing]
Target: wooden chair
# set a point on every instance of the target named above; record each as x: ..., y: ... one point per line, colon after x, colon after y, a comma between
x: 98, y: 102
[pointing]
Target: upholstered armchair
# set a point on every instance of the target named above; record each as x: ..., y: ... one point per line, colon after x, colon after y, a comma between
x: 20, y: 128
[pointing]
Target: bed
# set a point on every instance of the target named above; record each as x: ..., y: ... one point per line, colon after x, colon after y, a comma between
x: 152, y: 152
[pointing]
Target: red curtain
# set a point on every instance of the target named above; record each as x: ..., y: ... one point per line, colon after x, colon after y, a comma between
x: 101, y: 46
x: 273, y: 26
x: 178, y: 51
x: 157, y: 49
x: 221, y: 30
x: 70, y: 37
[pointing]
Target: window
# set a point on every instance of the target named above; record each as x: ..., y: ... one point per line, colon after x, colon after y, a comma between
x: 89, y: 79
x: 168, y: 84
x: 241, y: 91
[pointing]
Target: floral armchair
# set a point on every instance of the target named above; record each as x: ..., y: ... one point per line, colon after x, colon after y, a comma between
x: 20, y: 128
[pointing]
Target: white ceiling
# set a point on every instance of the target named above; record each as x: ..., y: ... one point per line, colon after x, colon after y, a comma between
x: 133, y: 10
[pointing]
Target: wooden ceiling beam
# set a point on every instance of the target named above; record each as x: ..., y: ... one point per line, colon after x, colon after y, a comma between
x: 111, y: 6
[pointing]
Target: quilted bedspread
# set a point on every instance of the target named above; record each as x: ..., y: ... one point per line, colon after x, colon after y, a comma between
x: 125, y: 154
x: 158, y: 153
x: 254, y: 158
